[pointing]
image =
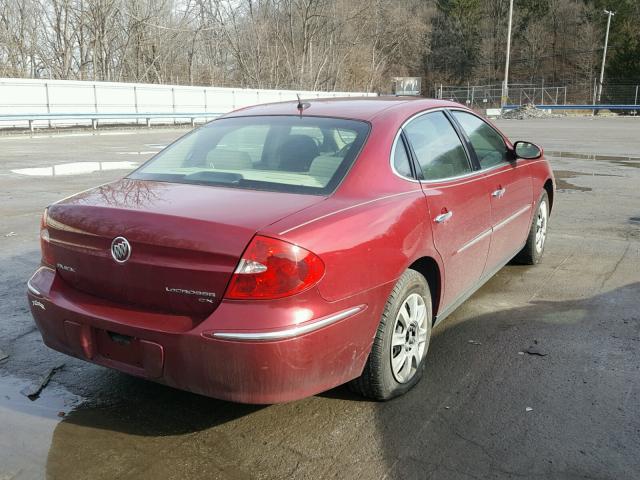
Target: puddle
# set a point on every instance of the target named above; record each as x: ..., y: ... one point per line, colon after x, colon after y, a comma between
x: 52, y: 400
x: 143, y: 152
x: 63, y: 135
x: 622, y: 160
x: 75, y: 168
x: 30, y: 424
x: 561, y: 180
x: 566, y: 317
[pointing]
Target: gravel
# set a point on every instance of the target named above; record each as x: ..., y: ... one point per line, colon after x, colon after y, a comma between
x: 527, y: 111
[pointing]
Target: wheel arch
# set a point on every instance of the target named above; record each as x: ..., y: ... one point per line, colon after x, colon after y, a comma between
x: 428, y: 267
x: 548, y: 186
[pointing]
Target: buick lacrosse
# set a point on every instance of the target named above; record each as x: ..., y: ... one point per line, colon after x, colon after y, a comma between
x: 284, y: 249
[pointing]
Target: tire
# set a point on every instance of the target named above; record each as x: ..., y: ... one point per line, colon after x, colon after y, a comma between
x: 379, y: 379
x: 533, y: 250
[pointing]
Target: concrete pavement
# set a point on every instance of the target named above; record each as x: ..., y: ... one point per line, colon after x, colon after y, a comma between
x: 485, y: 409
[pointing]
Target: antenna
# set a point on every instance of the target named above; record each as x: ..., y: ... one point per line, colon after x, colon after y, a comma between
x: 301, y: 106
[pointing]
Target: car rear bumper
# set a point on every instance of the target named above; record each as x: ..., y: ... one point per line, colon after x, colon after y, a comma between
x: 276, y: 364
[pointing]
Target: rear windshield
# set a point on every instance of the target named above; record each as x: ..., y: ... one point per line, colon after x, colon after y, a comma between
x: 278, y: 153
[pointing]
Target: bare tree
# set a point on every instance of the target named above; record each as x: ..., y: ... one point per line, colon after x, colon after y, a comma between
x: 304, y: 44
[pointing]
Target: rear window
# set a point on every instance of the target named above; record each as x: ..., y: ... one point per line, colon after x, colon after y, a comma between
x: 278, y: 153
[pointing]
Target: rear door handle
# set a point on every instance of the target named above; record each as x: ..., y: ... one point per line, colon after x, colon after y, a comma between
x: 499, y: 193
x: 443, y: 217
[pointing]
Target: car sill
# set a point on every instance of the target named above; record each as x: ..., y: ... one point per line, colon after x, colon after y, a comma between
x: 289, y: 332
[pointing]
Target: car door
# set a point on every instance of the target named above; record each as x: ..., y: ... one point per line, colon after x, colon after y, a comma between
x: 508, y: 185
x: 459, y: 209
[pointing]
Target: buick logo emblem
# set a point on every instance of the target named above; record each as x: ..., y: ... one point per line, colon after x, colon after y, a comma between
x: 120, y: 249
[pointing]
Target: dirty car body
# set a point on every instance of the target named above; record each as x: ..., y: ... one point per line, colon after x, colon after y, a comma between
x: 252, y: 259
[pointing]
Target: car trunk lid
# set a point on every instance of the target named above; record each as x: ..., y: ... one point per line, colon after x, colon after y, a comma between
x: 185, y: 240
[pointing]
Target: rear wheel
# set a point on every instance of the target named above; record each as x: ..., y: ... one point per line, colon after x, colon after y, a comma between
x: 534, y: 248
x: 396, y: 361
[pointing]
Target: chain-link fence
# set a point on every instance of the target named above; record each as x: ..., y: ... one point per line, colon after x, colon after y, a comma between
x: 490, y: 96
x: 621, y: 93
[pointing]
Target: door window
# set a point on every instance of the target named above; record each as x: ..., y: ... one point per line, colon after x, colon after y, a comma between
x: 487, y: 143
x: 437, y: 147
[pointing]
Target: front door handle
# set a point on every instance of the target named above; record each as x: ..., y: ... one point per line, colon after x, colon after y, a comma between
x: 499, y: 193
x: 443, y: 217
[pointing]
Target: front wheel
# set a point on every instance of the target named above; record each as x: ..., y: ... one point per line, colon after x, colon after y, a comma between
x: 396, y: 361
x: 532, y: 252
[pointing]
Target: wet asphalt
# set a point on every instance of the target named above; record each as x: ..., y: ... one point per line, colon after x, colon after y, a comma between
x: 537, y: 376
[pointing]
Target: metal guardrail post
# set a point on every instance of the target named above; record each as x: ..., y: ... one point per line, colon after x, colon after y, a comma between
x: 94, y: 121
x: 173, y: 101
x: 135, y: 101
x: 46, y: 90
x: 204, y: 90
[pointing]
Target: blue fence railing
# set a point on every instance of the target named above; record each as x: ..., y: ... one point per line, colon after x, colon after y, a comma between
x: 578, y: 107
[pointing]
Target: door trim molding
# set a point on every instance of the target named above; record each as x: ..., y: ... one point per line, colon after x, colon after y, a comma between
x: 497, y: 226
x: 511, y: 217
x: 474, y: 240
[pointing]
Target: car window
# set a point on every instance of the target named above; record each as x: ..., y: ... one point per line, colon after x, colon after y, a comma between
x: 277, y: 153
x: 437, y: 147
x: 311, y: 131
x: 401, y: 159
x: 343, y: 137
x: 249, y: 140
x: 487, y: 143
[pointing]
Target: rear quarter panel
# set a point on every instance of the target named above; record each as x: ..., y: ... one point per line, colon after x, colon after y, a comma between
x: 367, y: 244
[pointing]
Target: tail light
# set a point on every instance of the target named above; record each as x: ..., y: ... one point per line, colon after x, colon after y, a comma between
x: 45, y: 246
x: 272, y: 268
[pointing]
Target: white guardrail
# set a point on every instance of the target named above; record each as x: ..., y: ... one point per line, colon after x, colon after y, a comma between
x: 27, y: 103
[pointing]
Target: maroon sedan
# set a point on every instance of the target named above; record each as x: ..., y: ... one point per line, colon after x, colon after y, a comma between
x: 280, y: 251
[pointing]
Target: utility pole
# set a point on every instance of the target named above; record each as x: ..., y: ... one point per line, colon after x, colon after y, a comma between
x: 505, y: 86
x: 604, y: 53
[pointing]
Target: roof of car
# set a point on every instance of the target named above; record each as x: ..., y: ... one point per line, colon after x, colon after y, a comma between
x: 360, y: 108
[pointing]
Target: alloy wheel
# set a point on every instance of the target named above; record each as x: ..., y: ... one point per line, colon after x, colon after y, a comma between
x: 409, y: 339
x: 541, y: 226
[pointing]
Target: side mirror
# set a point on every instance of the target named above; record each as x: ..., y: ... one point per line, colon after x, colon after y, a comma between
x: 527, y: 150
